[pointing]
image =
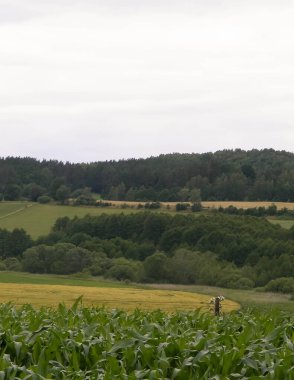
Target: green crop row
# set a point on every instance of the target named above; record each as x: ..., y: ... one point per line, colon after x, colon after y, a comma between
x: 91, y: 343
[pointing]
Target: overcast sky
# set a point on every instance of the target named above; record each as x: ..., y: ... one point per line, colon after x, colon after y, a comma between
x: 89, y: 80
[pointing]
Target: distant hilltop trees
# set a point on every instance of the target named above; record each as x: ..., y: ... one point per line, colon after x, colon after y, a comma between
x: 235, y: 175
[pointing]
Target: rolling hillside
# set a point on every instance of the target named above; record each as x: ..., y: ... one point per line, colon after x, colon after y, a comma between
x: 38, y: 219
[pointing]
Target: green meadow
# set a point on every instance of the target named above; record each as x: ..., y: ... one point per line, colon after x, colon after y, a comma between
x: 8, y: 209
x: 283, y: 222
x: 37, y: 219
x: 53, y: 279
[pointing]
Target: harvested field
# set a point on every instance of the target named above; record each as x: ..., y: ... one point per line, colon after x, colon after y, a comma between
x: 213, y: 204
x: 280, y: 205
x: 120, y: 298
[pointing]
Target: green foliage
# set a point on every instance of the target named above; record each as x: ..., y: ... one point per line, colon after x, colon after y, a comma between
x: 62, y: 258
x: 152, y: 205
x: 13, y: 264
x: 236, y: 242
x: 82, y: 191
x: 83, y: 197
x: 62, y: 194
x: 44, y: 199
x: 53, y: 279
x: 156, y: 267
x: 196, y: 207
x: 281, y: 285
x: 85, y: 200
x: 224, y: 175
x: 234, y: 280
x: 33, y: 191
x: 187, y: 267
x: 182, y: 206
x: 81, y: 343
x: 122, y: 269
x: 171, y: 238
x: 256, y: 211
x: 14, y: 243
x: 103, y: 204
x: 12, y: 192
x: 231, y: 250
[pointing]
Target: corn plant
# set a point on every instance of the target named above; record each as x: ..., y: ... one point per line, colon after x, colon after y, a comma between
x: 91, y: 343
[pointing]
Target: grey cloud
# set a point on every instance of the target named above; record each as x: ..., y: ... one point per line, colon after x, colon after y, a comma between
x: 19, y: 10
x: 88, y: 80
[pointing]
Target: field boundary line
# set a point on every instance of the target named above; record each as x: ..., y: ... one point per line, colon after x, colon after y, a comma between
x: 15, y: 212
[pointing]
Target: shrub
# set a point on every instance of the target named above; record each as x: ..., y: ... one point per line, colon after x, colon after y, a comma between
x: 43, y: 199
x: 85, y: 200
x: 244, y: 283
x: 281, y: 285
x: 81, y: 275
x: 234, y: 281
x: 12, y: 263
x: 96, y: 270
x: 103, y: 204
x: 182, y: 206
x: 152, y: 205
x: 125, y: 205
x: 196, y: 207
x: 121, y: 272
x: 123, y: 269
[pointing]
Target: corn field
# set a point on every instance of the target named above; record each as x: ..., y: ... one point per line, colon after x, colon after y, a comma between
x: 92, y: 343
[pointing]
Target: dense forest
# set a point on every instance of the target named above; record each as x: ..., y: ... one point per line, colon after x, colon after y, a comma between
x: 214, y: 249
x: 265, y: 175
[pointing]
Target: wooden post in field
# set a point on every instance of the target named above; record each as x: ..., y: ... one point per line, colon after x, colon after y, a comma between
x: 217, y: 306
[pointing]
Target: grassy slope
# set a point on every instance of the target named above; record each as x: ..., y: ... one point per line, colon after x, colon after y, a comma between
x: 282, y: 222
x: 38, y: 219
x: 246, y: 298
x: 11, y: 208
x: 47, y: 279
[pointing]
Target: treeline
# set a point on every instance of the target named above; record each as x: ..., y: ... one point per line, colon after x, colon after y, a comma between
x: 184, y: 266
x: 216, y: 249
x: 261, y: 211
x: 234, y: 175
